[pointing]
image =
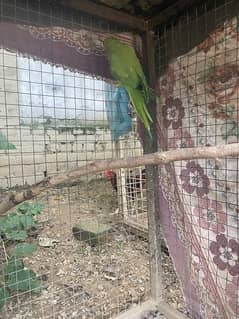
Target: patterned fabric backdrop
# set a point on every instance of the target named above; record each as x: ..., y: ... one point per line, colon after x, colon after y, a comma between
x: 199, y: 107
x: 74, y: 49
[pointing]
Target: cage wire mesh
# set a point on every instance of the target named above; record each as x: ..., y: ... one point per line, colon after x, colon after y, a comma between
x: 54, y: 118
x: 132, y: 193
x: 197, y: 59
x: 88, y: 261
x: 76, y: 276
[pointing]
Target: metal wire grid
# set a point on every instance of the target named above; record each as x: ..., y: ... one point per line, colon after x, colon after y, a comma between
x: 64, y: 199
x: 194, y: 55
x: 56, y: 119
x: 132, y: 193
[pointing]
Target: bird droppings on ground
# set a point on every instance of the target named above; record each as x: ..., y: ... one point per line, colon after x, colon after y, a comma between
x: 83, y: 281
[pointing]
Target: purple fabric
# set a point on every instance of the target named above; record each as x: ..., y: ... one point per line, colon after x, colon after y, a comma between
x: 178, y: 252
x: 199, y: 199
x: 15, y: 38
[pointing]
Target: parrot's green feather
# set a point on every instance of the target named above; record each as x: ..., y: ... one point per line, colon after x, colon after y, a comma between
x: 126, y: 68
x: 138, y: 102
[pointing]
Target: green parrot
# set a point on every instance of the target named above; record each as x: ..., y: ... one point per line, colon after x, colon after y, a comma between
x: 126, y: 68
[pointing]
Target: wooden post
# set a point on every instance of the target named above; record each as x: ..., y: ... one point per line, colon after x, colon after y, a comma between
x: 105, y: 12
x: 152, y: 184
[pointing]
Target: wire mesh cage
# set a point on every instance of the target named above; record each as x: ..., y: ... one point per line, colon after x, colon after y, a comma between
x: 90, y: 247
x: 82, y: 249
x: 65, y: 254
x: 132, y: 192
x: 197, y: 58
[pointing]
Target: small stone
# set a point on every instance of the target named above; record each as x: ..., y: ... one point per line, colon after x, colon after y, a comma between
x: 92, y: 232
x: 44, y: 277
x: 100, y: 287
x: 47, y: 242
x: 60, y: 272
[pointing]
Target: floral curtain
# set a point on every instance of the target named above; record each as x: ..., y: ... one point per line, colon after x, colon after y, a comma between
x: 74, y: 49
x: 199, y: 199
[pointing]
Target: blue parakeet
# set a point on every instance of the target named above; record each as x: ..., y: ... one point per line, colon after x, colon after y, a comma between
x: 127, y: 70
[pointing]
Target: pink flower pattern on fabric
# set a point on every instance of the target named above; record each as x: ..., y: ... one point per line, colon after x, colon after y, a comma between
x: 173, y: 113
x: 210, y: 215
x: 226, y: 254
x: 194, y: 179
x: 232, y: 291
x: 166, y: 85
x: 181, y: 139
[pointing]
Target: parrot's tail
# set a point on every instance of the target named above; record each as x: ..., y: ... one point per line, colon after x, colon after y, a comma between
x: 148, y: 92
x: 138, y: 101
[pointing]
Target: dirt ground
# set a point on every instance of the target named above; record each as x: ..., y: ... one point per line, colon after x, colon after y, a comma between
x: 84, y: 282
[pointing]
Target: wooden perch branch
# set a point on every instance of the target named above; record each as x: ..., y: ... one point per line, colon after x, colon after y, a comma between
x: 159, y: 158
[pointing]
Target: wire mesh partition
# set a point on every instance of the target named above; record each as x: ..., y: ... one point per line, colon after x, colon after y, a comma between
x: 67, y: 254
x: 197, y: 61
x: 72, y: 252
x: 132, y: 193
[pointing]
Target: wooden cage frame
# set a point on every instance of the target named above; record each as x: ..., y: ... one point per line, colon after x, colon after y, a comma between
x: 144, y: 27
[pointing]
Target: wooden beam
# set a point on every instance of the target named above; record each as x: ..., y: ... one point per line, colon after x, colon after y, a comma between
x: 169, y: 312
x: 106, y: 12
x: 152, y: 180
x: 164, y: 308
x: 13, y: 198
x: 165, y: 15
x: 137, y: 311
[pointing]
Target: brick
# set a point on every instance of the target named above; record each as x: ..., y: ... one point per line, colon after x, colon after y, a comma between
x: 10, y: 86
x: 9, y: 59
x: 92, y: 232
x: 39, y: 132
x: 8, y: 72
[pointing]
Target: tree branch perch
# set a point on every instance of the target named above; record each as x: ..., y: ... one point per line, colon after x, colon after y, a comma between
x: 159, y: 158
